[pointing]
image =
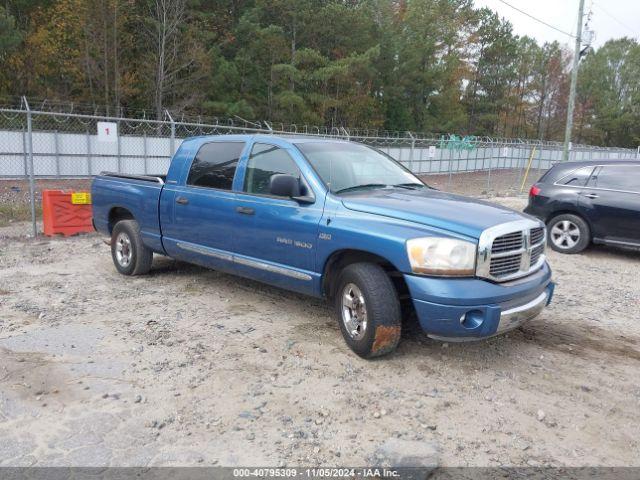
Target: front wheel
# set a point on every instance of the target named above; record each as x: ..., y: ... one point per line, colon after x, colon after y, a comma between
x: 568, y: 234
x: 368, y: 310
x: 130, y: 255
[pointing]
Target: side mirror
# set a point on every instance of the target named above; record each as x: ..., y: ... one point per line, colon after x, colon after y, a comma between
x: 288, y: 186
x: 284, y: 186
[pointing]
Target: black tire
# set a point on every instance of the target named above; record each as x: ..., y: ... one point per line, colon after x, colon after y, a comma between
x: 126, y: 242
x: 383, y: 315
x: 577, y: 225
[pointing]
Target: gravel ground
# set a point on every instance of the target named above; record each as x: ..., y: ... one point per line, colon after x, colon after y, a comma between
x: 16, y: 191
x: 188, y: 366
x: 497, y: 183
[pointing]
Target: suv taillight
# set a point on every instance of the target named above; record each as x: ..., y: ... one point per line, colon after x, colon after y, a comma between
x: 535, y: 190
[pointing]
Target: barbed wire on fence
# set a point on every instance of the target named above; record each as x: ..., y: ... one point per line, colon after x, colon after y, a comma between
x: 84, y: 114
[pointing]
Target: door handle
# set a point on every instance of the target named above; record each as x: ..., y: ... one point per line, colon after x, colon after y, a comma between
x: 182, y: 200
x: 245, y: 210
x: 591, y: 195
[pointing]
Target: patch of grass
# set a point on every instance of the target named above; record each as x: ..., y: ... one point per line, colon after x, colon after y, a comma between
x: 11, y: 213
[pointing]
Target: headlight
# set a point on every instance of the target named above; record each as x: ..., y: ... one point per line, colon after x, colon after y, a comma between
x: 442, y: 256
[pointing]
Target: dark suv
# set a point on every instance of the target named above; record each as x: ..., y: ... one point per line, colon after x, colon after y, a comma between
x: 584, y: 202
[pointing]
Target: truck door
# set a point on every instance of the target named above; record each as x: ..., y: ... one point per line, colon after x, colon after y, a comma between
x: 203, y: 213
x: 275, y: 237
x: 611, y: 201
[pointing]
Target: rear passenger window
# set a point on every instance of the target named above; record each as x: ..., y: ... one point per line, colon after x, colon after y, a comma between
x: 215, y: 165
x: 577, y: 178
x: 264, y: 162
x: 617, y: 177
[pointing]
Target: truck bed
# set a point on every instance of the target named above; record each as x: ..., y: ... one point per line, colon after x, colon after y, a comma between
x: 118, y: 194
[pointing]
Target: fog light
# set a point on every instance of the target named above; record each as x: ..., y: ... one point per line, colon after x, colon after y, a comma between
x: 472, y: 319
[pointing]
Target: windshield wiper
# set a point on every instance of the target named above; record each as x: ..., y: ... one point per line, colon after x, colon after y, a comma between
x: 364, y: 185
x: 411, y: 185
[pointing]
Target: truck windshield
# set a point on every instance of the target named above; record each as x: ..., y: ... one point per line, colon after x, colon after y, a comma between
x: 348, y: 167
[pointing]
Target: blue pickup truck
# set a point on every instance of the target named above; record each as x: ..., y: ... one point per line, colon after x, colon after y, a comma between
x: 333, y: 219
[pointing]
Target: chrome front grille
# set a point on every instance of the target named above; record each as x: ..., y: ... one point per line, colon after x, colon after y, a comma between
x: 506, y: 243
x: 505, y: 265
x: 536, y: 252
x: 511, y: 250
x: 537, y: 235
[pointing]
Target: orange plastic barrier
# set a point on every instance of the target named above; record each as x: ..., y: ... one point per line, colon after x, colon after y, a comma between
x: 68, y: 213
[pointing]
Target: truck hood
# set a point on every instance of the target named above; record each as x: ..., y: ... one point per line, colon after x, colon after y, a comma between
x: 454, y: 213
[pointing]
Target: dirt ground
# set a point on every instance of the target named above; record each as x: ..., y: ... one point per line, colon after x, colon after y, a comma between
x: 497, y: 183
x: 16, y: 191
x: 187, y: 366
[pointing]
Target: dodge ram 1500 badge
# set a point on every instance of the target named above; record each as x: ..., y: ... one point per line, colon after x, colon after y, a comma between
x: 333, y: 219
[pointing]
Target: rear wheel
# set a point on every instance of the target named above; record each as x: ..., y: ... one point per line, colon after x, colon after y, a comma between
x: 130, y: 255
x: 368, y: 310
x: 568, y: 234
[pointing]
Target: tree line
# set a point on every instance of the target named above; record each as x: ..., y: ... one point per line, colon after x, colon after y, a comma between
x: 420, y: 65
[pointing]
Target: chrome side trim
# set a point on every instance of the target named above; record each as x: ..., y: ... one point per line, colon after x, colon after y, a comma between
x: 617, y: 242
x: 485, y: 244
x: 598, y: 189
x: 209, y: 252
x: 222, y: 255
x: 288, y: 272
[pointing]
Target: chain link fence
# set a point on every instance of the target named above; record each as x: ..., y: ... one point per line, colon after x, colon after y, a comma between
x: 62, y: 150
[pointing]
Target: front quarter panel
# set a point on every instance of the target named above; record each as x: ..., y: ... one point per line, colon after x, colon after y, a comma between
x: 344, y: 229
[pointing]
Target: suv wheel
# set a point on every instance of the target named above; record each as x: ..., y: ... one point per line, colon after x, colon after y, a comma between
x: 368, y: 310
x: 130, y: 256
x: 568, y: 234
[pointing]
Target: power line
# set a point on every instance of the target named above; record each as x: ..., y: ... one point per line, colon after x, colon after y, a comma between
x: 615, y: 19
x: 538, y: 20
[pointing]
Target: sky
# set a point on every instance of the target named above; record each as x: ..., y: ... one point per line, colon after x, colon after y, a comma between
x: 610, y: 18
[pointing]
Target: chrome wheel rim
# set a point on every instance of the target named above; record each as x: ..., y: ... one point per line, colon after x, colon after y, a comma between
x: 354, y: 311
x: 565, y: 234
x: 123, y: 249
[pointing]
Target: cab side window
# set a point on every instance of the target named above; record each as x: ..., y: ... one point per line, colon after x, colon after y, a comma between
x: 577, y: 178
x: 214, y: 166
x: 264, y: 162
x: 617, y: 177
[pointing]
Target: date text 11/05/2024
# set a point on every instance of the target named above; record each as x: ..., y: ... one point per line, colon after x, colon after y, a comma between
x: 321, y: 473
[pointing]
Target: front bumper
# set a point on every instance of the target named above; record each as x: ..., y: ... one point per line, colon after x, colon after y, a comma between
x: 470, y: 308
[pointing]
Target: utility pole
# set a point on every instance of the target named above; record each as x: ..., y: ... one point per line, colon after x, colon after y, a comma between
x: 574, y: 84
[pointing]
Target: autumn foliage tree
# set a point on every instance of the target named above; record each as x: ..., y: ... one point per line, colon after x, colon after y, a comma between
x: 424, y: 65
